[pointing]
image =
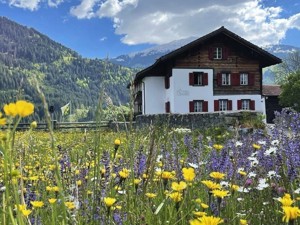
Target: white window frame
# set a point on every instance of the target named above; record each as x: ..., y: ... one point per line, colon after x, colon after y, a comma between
x: 198, y: 106
x: 245, y: 104
x: 226, y: 79
x: 244, y: 79
x: 218, y: 53
x: 198, y: 79
x: 223, y: 103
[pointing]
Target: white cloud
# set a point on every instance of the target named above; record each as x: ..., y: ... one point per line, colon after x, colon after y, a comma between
x: 26, y: 4
x: 54, y: 3
x: 85, y: 10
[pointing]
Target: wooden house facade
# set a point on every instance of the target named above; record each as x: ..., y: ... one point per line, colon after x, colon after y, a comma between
x: 217, y: 72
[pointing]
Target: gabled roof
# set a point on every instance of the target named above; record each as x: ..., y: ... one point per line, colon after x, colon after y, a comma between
x: 268, y: 57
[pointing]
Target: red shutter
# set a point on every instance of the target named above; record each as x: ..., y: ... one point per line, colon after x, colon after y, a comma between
x: 167, y: 107
x: 229, y: 104
x: 235, y: 79
x: 219, y: 79
x: 191, y: 106
x: 167, y: 82
x: 225, y: 52
x: 251, y: 79
x: 191, y: 79
x: 205, y: 79
x: 252, y: 104
x: 211, y: 53
x: 216, y: 105
x: 205, y: 106
x: 239, y: 104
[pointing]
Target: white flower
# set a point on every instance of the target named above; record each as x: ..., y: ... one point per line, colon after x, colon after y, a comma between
x: 262, y: 184
x: 254, y: 154
x: 275, y: 142
x: 297, y: 191
x: 241, y: 169
x: 272, y: 174
x: 238, y: 144
x: 195, y: 166
x: 240, y: 199
x: 266, y: 203
x: 251, y: 175
x: 243, y: 189
x: 253, y: 161
x: 159, y: 157
x: 270, y: 151
x: 224, y: 184
x: 261, y: 142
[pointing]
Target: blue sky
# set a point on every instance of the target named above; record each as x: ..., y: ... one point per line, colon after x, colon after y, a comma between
x: 108, y: 28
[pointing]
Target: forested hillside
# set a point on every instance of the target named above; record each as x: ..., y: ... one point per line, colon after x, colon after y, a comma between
x: 63, y: 74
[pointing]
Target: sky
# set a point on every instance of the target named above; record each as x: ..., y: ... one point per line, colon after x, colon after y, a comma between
x: 109, y: 28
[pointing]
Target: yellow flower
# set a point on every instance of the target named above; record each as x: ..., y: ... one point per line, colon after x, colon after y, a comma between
x: 52, y: 200
x: 137, y: 181
x: 199, y: 214
x: 195, y: 222
x: 117, y: 142
x: 210, y: 184
x: 204, y: 206
x: 20, y: 207
x: 219, y: 193
x: 217, y: 175
x: 256, y: 146
x: 151, y: 195
x: 24, y: 108
x: 179, y: 186
x: 218, y: 147
x: 286, y: 200
x: 243, y: 173
x: 176, y: 196
x: 2, y: 120
x: 37, y: 204
x: 10, y: 109
x: 70, y: 205
x: 188, y: 174
x: 109, y: 201
x: 290, y: 213
x: 167, y: 175
x: 210, y: 220
x: 26, y: 212
x: 243, y: 222
x: 235, y: 187
x: 78, y: 182
x: 124, y: 173
x: 33, y: 125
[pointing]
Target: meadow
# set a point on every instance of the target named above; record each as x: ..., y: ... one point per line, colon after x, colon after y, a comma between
x: 153, y: 176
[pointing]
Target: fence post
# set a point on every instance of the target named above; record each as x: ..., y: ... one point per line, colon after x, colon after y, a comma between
x: 54, y: 124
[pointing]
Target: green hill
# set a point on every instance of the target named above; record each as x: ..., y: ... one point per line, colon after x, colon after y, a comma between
x: 63, y: 74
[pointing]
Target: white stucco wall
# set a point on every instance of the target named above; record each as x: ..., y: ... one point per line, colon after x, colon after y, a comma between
x: 154, y: 95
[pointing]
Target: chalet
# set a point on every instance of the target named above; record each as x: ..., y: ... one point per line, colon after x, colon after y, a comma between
x: 217, y: 72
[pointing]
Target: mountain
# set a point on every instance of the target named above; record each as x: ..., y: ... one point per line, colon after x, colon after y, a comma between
x: 63, y: 75
x: 147, y: 57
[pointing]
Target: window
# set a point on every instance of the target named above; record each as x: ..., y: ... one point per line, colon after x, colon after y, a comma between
x: 168, y: 107
x: 222, y: 105
x: 198, y: 106
x: 217, y: 53
x: 226, y: 79
x: 246, y: 104
x: 167, y: 82
x: 198, y: 79
x: 244, y: 79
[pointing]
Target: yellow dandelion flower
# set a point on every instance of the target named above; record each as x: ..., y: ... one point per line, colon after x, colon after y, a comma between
x: 179, y: 186
x: 188, y: 174
x: 26, y: 212
x: 211, y: 185
x: 218, y: 147
x: 219, y: 193
x: 204, y: 206
x: 24, y: 108
x: 256, y: 146
x: 137, y: 181
x: 124, y: 173
x: 199, y: 214
x: 52, y: 200
x: 243, y: 173
x: 70, y: 205
x: 37, y: 204
x: 10, y: 109
x: 235, y: 187
x: 2, y: 120
x: 176, y: 196
x: 79, y: 182
x: 286, y: 200
x: 167, y: 175
x: 210, y: 220
x: 109, y: 201
x: 151, y: 195
x: 290, y: 213
x: 217, y: 175
x: 117, y: 142
x: 243, y: 222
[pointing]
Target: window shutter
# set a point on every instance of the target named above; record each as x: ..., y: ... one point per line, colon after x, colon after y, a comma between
x: 251, y: 79
x: 205, y: 106
x: 229, y: 104
x: 235, y: 79
x: 205, y: 79
x: 252, y: 105
x: 225, y: 52
x: 216, y: 105
x: 191, y: 106
x: 167, y: 82
x: 219, y: 79
x: 191, y: 79
x: 211, y: 53
x: 167, y: 107
x: 239, y: 104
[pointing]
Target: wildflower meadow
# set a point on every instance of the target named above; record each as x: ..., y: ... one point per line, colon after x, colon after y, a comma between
x: 154, y: 176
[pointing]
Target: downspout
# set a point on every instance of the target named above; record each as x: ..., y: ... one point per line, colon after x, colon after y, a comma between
x: 144, y: 96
